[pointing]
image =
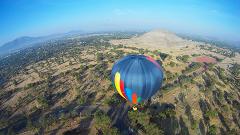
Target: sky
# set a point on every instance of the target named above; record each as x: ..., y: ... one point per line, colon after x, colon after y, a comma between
x: 214, y: 18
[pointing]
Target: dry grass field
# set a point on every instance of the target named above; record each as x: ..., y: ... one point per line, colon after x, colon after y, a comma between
x: 67, y: 90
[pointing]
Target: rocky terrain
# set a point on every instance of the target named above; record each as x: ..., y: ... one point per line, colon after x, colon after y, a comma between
x: 63, y: 87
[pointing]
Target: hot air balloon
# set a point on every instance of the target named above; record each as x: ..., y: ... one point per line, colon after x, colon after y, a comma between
x: 136, y: 78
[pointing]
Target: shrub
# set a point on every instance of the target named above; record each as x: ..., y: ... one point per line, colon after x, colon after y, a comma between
x: 152, y: 129
x: 211, y: 113
x: 183, y: 58
x: 212, y: 130
x: 80, y: 100
x: 194, y: 125
x: 42, y: 101
x: 172, y: 64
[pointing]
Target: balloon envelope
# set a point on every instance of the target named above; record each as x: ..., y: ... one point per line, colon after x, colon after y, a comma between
x: 137, y: 77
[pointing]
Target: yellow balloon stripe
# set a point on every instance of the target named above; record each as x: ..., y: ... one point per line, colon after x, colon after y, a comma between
x: 117, y: 83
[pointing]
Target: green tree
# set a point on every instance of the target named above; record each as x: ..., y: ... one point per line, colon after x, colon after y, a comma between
x: 143, y: 119
x: 15, y: 82
x: 100, y: 57
x: 211, y: 113
x: 103, y: 123
x: 163, y: 56
x: 152, y: 129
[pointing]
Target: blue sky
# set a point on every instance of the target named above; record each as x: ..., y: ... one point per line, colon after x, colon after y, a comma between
x: 215, y: 18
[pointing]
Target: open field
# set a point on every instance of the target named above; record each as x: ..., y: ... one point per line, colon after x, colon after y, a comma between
x: 204, y: 59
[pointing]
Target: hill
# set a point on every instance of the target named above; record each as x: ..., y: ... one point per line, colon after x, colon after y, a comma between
x: 155, y: 39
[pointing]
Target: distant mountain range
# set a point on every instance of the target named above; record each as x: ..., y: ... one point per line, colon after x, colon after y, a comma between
x: 235, y: 45
x: 26, y: 41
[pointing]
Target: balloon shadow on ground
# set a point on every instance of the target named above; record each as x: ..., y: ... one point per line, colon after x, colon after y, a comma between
x: 119, y: 116
x: 83, y: 127
x: 166, y: 121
